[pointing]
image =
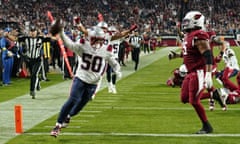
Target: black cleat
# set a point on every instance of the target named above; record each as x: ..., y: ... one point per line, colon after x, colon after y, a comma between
x: 206, y: 129
x: 32, y: 94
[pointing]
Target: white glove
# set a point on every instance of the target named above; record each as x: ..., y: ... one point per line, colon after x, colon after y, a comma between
x: 208, y: 80
x: 119, y: 74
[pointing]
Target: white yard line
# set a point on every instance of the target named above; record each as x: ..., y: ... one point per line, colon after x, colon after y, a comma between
x: 217, y: 108
x: 140, y: 134
x: 49, y: 101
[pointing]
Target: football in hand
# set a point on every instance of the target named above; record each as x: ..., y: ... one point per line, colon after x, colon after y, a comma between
x: 56, y: 27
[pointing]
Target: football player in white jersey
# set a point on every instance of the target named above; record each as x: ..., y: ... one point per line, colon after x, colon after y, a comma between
x: 231, y: 68
x: 109, y: 37
x: 94, y: 58
x: 111, y: 76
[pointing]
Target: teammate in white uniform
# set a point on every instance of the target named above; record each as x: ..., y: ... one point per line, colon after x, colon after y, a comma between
x: 231, y: 68
x: 111, y: 76
x: 230, y: 58
x: 94, y: 58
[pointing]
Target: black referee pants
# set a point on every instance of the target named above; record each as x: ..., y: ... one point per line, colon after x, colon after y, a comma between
x: 34, y: 68
x: 135, y: 57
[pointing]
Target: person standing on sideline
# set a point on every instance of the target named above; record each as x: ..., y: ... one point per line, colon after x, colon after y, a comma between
x: 71, y: 59
x: 55, y: 54
x: 135, y: 42
x: 94, y: 58
x: 197, y: 57
x: 7, y: 56
x: 46, y: 56
x: 121, y: 54
x: 33, y: 52
x: 1, y: 68
x: 146, y: 39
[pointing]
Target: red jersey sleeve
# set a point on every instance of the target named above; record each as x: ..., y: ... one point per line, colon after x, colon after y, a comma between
x: 201, y: 35
x: 211, y: 34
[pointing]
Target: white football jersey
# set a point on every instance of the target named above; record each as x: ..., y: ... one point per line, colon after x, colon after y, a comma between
x: 230, y: 59
x: 115, y: 45
x: 92, y: 62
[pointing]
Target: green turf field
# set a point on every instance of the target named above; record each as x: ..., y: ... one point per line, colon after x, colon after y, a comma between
x: 145, y: 111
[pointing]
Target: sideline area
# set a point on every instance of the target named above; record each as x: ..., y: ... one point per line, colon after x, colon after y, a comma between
x: 49, y: 100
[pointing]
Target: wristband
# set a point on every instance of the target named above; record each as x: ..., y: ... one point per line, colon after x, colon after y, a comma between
x: 208, y: 57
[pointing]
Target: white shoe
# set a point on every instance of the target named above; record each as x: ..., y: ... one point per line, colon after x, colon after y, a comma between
x: 224, y: 96
x: 114, y: 91
x: 110, y: 87
x: 219, y: 81
x: 221, y: 96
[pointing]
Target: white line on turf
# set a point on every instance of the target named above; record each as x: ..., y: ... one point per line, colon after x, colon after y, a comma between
x: 88, y: 111
x: 140, y: 134
x: 86, y: 115
x: 105, y: 101
x: 72, y: 127
x: 159, y: 108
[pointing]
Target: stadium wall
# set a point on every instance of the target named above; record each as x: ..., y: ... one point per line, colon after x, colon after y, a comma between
x: 171, y: 40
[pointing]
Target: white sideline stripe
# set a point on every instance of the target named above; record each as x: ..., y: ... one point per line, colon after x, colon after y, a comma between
x: 49, y: 100
x: 139, y: 134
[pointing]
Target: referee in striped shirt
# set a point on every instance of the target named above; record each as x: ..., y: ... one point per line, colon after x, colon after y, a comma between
x: 135, y: 42
x: 33, y: 52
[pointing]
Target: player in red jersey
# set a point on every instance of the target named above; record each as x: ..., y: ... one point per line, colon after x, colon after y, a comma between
x: 178, y: 76
x: 197, y: 57
x: 213, y: 40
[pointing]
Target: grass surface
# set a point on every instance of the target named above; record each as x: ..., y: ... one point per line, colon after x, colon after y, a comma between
x: 145, y: 111
x: 21, y: 86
